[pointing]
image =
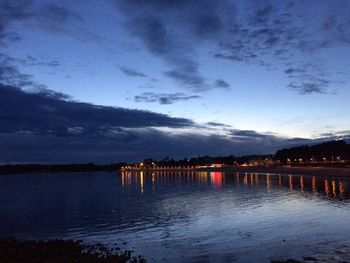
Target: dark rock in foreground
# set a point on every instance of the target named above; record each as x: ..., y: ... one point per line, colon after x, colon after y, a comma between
x: 61, y: 251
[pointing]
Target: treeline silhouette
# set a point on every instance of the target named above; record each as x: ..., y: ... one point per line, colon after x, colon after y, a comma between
x: 332, y: 151
x: 46, y: 168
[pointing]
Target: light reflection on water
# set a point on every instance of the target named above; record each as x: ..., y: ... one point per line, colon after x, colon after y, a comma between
x: 184, y: 216
x: 332, y: 188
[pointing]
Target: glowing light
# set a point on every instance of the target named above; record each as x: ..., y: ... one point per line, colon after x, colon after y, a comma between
x: 334, y: 189
x: 141, y: 180
x: 290, y: 183
x: 216, y: 179
x: 314, y: 185
x: 301, y: 183
x: 326, y: 188
x: 268, y: 182
x: 341, y: 189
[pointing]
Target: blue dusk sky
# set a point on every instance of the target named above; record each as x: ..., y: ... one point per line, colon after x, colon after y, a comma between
x: 114, y: 80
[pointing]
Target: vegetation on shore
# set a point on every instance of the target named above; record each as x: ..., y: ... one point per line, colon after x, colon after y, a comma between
x: 61, y: 251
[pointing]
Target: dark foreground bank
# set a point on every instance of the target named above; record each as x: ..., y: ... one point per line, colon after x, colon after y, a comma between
x: 61, y: 251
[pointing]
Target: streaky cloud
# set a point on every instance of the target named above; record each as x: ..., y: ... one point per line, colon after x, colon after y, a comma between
x: 132, y: 72
x: 163, y: 98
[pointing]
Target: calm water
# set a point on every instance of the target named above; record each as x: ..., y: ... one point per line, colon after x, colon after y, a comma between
x: 182, y: 216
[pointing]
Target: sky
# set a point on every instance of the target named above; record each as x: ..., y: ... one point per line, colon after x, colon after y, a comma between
x: 114, y: 80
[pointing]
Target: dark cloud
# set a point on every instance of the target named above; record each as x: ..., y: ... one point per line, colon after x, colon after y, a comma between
x: 11, y: 75
x: 33, y: 61
x: 164, y: 98
x: 285, y: 33
x: 132, y: 72
x: 270, y: 34
x: 248, y: 135
x: 217, y: 124
x: 50, y: 17
x: 127, y: 145
x: 246, y: 56
x: 262, y: 14
x: 309, y: 79
x: 309, y: 88
x: 154, y: 34
x: 338, y: 135
x: 222, y: 84
x: 14, y: 10
x: 208, y: 25
x: 11, y: 11
x: 188, y: 78
x: 294, y: 70
x: 47, y: 126
x: 53, y: 13
x: 49, y: 112
x: 186, y: 72
x: 121, y: 146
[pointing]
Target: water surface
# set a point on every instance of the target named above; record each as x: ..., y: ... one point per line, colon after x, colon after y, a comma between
x: 182, y: 216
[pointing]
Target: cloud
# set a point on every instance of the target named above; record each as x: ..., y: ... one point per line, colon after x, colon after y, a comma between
x: 217, y: 124
x: 49, y: 112
x: 338, y: 135
x: 288, y: 35
x: 154, y: 34
x: 186, y: 73
x: 132, y: 72
x: 222, y: 84
x: 47, y: 126
x: 294, y: 70
x: 309, y: 88
x: 34, y: 61
x: 11, y: 11
x: 131, y: 145
x: 253, y: 32
x: 309, y: 79
x: 11, y: 75
x: 49, y: 17
x: 276, y: 35
x: 53, y: 13
x: 164, y: 98
x: 172, y: 31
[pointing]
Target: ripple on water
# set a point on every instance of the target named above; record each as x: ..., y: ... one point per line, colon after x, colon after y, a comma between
x: 187, y: 217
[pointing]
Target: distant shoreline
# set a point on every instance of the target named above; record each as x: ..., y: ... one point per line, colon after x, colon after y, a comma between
x: 56, y: 168
x: 293, y: 170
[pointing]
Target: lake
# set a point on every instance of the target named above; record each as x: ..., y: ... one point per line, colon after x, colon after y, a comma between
x: 182, y: 216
